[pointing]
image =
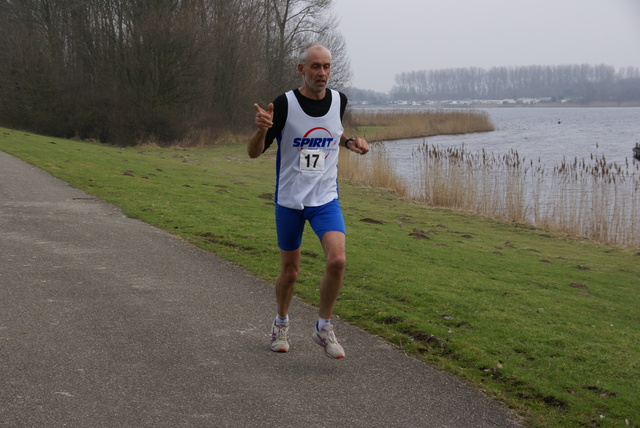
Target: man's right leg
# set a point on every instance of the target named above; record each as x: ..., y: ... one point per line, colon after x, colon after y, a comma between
x: 289, y: 226
x: 290, y: 267
x: 289, y: 270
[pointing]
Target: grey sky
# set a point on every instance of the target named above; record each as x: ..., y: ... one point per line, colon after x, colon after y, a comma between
x: 387, y: 37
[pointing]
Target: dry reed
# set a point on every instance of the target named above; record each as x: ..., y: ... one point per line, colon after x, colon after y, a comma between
x: 480, y: 183
x: 386, y: 125
x: 373, y: 170
x: 594, y: 199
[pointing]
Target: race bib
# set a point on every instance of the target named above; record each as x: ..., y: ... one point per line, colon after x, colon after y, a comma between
x: 312, y: 161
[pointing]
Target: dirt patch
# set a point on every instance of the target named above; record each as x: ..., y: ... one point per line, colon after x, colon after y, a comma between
x: 372, y: 221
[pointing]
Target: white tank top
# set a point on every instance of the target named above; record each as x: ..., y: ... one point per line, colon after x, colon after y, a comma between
x: 307, y: 159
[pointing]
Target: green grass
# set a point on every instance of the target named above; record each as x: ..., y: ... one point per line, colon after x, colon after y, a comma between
x: 546, y: 323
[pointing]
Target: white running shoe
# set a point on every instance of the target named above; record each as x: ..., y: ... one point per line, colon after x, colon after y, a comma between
x: 327, y: 339
x: 280, y: 337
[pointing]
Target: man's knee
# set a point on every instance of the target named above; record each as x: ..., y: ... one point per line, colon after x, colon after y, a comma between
x: 290, y: 273
x: 336, y: 262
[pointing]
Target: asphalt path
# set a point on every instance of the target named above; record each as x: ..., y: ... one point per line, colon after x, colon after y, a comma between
x: 106, y: 321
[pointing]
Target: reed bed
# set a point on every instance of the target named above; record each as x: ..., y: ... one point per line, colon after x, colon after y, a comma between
x: 596, y: 199
x: 593, y: 199
x: 394, y: 124
x: 373, y: 170
x: 481, y: 183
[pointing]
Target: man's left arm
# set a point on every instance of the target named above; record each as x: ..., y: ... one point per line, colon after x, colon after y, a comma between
x: 355, y: 144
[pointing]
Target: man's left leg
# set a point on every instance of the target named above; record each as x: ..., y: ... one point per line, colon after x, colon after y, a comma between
x: 334, y: 245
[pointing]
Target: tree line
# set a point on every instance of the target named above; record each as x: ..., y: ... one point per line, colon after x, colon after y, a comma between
x: 126, y: 71
x: 581, y: 83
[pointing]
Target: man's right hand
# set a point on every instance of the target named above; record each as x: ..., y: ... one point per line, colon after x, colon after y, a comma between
x: 264, y: 121
x: 264, y: 118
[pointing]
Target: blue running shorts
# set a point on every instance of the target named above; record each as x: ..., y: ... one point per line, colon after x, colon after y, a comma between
x: 290, y: 223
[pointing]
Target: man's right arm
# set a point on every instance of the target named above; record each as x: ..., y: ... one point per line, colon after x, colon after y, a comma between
x: 264, y: 121
x: 256, y: 143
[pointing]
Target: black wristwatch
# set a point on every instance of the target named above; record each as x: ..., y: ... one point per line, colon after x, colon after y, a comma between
x: 346, y: 143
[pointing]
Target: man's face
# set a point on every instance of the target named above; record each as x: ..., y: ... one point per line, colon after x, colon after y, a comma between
x: 316, y: 69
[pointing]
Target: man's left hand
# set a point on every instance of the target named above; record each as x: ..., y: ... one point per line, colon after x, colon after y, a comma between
x: 359, y: 145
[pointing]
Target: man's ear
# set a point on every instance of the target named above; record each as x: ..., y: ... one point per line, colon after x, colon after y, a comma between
x: 301, y: 68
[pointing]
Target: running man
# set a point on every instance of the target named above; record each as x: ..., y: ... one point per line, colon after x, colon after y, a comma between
x: 307, y: 124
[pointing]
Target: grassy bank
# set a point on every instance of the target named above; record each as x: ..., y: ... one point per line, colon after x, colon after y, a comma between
x: 545, y: 323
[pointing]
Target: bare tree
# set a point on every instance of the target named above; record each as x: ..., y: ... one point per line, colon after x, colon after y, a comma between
x: 292, y: 24
x: 126, y: 70
x: 584, y: 83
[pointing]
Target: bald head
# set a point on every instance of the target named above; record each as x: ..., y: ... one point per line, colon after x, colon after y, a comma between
x: 310, y: 49
x: 315, y: 68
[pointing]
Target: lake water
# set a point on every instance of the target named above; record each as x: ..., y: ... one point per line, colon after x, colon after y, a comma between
x: 548, y: 135
x: 598, y: 206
